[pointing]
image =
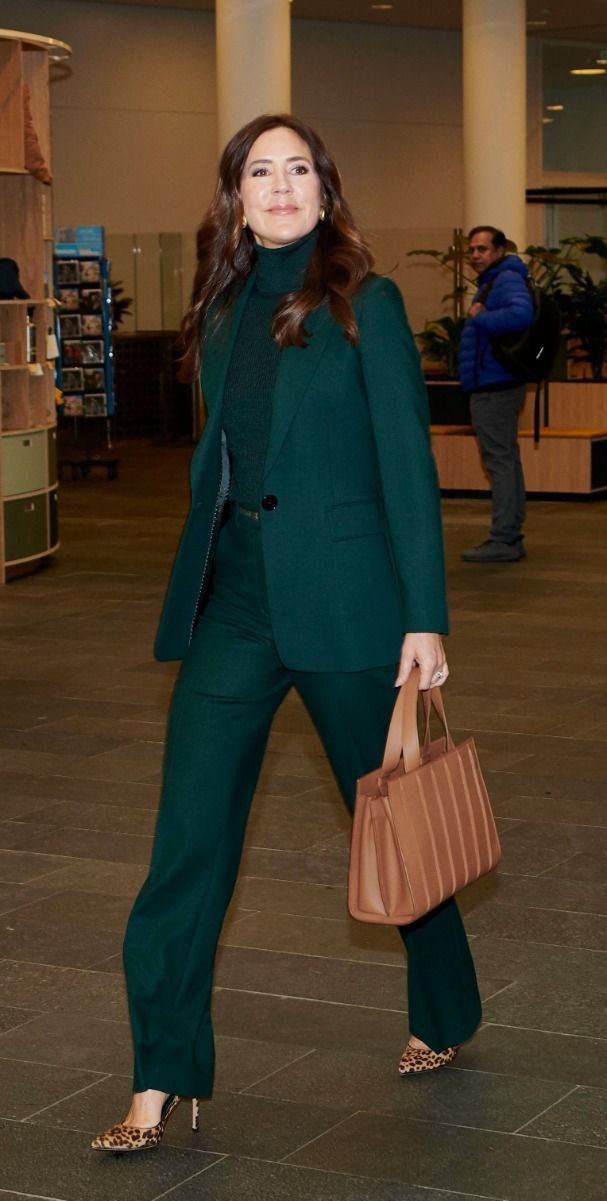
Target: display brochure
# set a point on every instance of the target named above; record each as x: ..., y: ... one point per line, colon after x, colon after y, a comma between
x: 72, y: 405
x: 69, y: 327
x: 69, y: 298
x: 73, y: 379
x: 72, y: 353
x: 92, y: 352
x: 95, y: 404
x: 92, y: 326
x: 68, y: 272
x: 83, y: 325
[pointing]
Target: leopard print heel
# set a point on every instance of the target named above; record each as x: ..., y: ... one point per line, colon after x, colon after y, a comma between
x: 122, y: 1137
x: 421, y: 1059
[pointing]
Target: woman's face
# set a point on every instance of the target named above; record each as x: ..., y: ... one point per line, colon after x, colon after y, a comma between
x: 280, y: 189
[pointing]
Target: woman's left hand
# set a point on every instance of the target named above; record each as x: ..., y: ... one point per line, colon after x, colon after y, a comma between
x: 427, y: 651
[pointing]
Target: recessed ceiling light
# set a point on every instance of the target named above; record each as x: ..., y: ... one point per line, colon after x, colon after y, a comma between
x: 547, y: 120
x: 588, y: 71
x: 382, y: 7
x: 536, y: 24
x: 555, y: 108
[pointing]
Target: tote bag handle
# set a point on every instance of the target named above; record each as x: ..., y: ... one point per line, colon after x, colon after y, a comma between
x: 403, y: 737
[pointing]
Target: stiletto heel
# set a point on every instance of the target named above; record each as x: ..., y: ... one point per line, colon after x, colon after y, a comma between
x: 124, y: 1137
x: 195, y: 1114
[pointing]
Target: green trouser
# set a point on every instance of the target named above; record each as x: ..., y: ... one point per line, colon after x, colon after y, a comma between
x: 227, y: 694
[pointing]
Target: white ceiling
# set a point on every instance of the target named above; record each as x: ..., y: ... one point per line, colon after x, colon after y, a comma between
x: 584, y: 20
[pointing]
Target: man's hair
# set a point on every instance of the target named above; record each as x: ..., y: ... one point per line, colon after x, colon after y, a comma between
x: 498, y: 236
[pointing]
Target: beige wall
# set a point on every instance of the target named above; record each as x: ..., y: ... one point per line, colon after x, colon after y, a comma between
x: 134, y: 125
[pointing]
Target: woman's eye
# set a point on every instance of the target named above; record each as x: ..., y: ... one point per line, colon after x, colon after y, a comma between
x: 300, y: 169
x: 260, y: 171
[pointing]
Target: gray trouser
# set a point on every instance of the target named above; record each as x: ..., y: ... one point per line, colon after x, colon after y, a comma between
x: 494, y: 416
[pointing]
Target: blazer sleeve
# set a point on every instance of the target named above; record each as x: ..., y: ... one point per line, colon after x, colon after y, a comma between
x: 398, y: 404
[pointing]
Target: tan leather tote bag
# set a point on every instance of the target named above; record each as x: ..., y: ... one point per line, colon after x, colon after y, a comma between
x: 423, y: 826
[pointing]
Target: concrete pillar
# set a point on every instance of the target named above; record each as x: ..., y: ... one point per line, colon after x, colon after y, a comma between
x: 253, y: 39
x: 495, y: 135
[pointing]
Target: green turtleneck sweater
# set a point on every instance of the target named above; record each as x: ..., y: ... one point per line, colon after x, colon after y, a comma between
x: 247, y: 400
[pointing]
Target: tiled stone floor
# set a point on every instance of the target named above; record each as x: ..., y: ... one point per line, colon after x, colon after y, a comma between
x: 309, y: 1007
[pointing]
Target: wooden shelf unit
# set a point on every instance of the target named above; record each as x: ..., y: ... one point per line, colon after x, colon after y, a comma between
x: 28, y: 448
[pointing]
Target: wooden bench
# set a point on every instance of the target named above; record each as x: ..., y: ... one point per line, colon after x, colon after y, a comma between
x: 565, y: 462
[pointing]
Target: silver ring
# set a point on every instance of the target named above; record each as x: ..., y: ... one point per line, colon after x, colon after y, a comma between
x: 438, y: 675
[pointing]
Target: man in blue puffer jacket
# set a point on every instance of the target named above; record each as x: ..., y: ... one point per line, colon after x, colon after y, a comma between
x: 496, y: 396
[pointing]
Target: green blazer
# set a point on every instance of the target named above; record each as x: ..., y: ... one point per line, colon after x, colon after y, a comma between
x: 353, y: 548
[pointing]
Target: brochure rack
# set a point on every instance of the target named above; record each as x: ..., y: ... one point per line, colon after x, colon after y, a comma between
x: 84, y: 323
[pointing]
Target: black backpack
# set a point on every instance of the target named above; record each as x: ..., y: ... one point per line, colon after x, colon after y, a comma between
x: 530, y: 353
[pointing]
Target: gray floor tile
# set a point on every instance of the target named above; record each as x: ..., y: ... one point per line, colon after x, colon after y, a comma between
x: 470, y: 1161
x: 89, y: 815
x: 98, y: 876
x: 540, y: 963
x: 329, y: 938
x: 279, y: 896
x: 244, y: 1061
x: 69, y: 1040
x: 565, y: 1009
x: 59, y: 1164
x: 45, y: 987
x: 23, y: 867
x: 297, y: 975
x: 544, y: 892
x: 478, y: 1099
x: 533, y: 850
x: 86, y: 844
x: 307, y: 1023
x: 11, y: 1017
x: 47, y: 788
x: 553, y: 927
x: 96, y: 911
x: 60, y: 943
x: 285, y: 825
x: 26, y: 1088
x: 585, y: 865
x: 553, y: 810
x: 14, y: 897
x: 231, y: 1179
x: 322, y: 866
x: 580, y: 1118
x: 540, y: 1055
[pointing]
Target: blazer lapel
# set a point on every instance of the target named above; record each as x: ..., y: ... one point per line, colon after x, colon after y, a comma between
x: 217, y: 349
x: 296, y: 369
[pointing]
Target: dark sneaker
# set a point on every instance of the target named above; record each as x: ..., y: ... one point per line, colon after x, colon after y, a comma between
x: 495, y: 552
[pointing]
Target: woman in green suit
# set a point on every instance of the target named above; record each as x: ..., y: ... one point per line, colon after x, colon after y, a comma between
x: 311, y: 558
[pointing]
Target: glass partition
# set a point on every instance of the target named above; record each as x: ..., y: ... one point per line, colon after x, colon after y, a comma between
x: 155, y: 270
x: 575, y: 106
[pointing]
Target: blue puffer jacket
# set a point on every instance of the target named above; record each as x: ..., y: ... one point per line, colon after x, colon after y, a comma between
x: 509, y: 308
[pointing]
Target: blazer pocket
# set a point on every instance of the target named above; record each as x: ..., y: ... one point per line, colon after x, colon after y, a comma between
x: 356, y: 519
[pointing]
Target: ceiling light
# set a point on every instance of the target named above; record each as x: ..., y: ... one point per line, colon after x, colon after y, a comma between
x: 588, y: 71
x: 536, y: 24
x: 382, y: 8
x: 555, y: 108
x: 547, y: 120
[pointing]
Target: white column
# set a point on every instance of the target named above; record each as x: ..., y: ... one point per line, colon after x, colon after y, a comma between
x: 253, y: 39
x: 495, y: 135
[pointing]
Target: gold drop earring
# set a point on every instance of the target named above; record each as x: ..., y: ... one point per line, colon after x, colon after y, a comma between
x: 244, y: 222
x: 322, y: 212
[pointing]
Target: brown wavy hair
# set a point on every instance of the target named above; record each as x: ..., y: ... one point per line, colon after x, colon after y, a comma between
x: 226, y: 251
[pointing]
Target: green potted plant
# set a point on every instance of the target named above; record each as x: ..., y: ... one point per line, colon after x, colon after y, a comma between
x: 438, y: 342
